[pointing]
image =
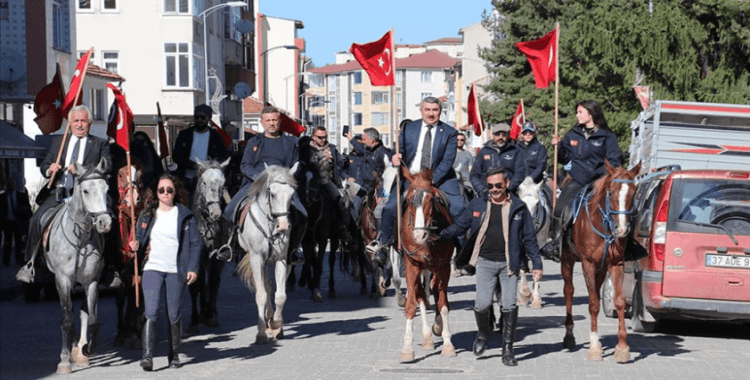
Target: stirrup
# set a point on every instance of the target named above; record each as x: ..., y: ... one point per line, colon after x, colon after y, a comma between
x: 224, y: 253
x: 26, y: 273
x: 373, y: 247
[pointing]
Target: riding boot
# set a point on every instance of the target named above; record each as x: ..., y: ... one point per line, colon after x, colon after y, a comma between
x: 175, y: 339
x: 148, y: 339
x: 295, y: 256
x: 510, y: 318
x: 484, y: 330
x: 344, y: 235
x: 551, y: 250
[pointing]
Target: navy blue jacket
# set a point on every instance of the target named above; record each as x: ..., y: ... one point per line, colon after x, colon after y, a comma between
x: 521, y: 231
x: 534, y: 158
x: 586, y: 156
x: 252, y: 165
x: 443, y: 153
x: 372, y: 160
x: 191, y: 244
x: 491, y: 156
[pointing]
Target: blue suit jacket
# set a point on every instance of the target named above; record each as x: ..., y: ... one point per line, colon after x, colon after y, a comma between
x: 443, y: 153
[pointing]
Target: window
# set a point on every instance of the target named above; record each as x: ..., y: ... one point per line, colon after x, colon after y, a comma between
x: 379, y: 118
x: 357, y: 118
x: 110, y: 60
x: 198, y: 73
x: 425, y: 95
x: 60, y: 25
x: 386, y: 139
x: 232, y: 16
x: 177, y: 57
x: 332, y: 83
x: 358, y: 77
x: 380, y: 97
x: 426, y: 76
x: 96, y: 103
x: 399, y: 99
x: 317, y: 80
x: 318, y: 120
x: 181, y: 6
x: 331, y: 124
x: 399, y: 77
x: 332, y: 103
x: 84, y: 5
x: 357, y: 98
x: 109, y: 5
x: 316, y: 101
x: 91, y: 57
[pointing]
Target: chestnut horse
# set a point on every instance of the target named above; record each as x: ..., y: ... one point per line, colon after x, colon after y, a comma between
x: 424, y: 210
x: 597, y: 239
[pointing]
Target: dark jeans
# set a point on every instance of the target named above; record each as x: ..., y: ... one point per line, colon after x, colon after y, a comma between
x: 157, y: 284
x: 566, y: 196
x: 489, y: 273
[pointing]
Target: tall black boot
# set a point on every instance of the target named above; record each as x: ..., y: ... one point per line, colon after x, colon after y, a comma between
x: 148, y: 339
x: 551, y: 250
x: 484, y: 329
x: 175, y: 339
x: 343, y: 214
x: 509, y: 336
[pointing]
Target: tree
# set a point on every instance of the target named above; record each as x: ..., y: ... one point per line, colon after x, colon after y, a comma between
x: 691, y: 50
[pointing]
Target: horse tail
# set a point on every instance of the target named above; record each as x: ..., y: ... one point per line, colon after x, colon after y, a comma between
x: 245, y: 271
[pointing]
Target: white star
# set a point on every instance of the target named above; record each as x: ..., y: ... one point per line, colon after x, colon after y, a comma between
x: 77, y: 73
x: 56, y: 103
x: 380, y: 61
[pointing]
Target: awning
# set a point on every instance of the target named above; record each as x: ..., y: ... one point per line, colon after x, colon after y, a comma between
x: 14, y: 144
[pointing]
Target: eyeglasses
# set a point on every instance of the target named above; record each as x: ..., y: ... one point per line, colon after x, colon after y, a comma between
x: 200, y: 117
x: 527, y: 133
x: 460, y: 140
x: 321, y: 137
x: 501, y: 133
x: 169, y: 190
x: 498, y: 185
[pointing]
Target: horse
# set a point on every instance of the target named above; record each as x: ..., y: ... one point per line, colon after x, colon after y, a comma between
x: 206, y: 207
x: 76, y: 257
x: 537, y: 201
x: 264, y: 234
x: 424, y: 210
x: 597, y: 238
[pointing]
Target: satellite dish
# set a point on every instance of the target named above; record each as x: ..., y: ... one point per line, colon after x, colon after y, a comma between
x: 244, y: 26
x: 242, y: 90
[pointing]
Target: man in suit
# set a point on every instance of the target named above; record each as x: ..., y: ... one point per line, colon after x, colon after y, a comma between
x: 424, y: 143
x: 80, y: 147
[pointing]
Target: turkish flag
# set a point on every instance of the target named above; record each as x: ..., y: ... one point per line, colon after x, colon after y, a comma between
x: 76, y: 83
x: 48, y: 105
x: 377, y: 60
x: 290, y: 126
x: 120, y: 125
x: 518, y: 120
x: 224, y: 135
x: 541, y: 56
x: 472, y: 108
x: 644, y: 95
x: 163, y: 144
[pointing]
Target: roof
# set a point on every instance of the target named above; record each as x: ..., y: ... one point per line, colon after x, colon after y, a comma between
x: 102, y: 73
x: 252, y: 105
x: 431, y: 59
x: 15, y: 144
x: 446, y: 41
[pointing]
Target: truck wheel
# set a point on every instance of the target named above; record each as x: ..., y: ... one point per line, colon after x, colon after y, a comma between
x: 608, y: 297
x: 636, y: 320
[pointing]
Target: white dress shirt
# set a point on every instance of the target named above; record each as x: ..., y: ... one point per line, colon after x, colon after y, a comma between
x: 416, y: 165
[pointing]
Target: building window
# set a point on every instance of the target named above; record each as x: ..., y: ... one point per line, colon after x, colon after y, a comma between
x: 358, y: 77
x: 110, y: 61
x: 317, y: 80
x: 60, y: 25
x: 232, y: 16
x: 357, y: 118
x: 379, y: 118
x: 332, y: 103
x: 96, y: 103
x: 331, y: 124
x: 109, y: 5
x: 182, y: 6
x: 84, y: 5
x: 318, y: 120
x: 177, y: 57
x: 380, y: 97
x: 332, y: 83
x: 386, y: 139
x: 91, y: 57
x: 426, y: 76
x: 198, y: 72
x: 399, y: 100
x: 399, y: 78
x: 357, y: 98
x: 425, y: 95
x: 316, y: 101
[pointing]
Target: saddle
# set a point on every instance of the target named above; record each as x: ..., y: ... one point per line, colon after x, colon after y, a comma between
x: 573, y: 209
x: 46, y: 222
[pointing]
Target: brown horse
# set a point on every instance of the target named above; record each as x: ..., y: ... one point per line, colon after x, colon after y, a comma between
x: 424, y: 210
x: 597, y: 239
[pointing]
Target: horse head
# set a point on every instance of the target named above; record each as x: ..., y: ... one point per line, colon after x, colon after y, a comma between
x: 210, y: 188
x: 620, y: 191
x: 529, y: 192
x: 91, y: 193
x: 280, y: 187
x: 419, y: 204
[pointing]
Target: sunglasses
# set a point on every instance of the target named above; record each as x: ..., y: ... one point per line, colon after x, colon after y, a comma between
x: 498, y: 185
x: 200, y: 117
x: 460, y: 140
x: 501, y: 133
x: 169, y: 190
x: 527, y: 133
x: 321, y: 137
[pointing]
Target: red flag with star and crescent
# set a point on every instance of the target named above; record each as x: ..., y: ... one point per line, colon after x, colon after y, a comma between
x: 48, y: 105
x: 377, y: 60
x: 76, y: 84
x: 120, y: 126
x: 518, y: 120
x: 541, y: 56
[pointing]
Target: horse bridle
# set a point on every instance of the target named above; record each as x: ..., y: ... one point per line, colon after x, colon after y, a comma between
x: 269, y: 218
x: 413, y: 253
x: 84, y: 235
x: 608, y: 222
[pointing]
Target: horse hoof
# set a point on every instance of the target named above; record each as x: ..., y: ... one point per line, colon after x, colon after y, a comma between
x: 622, y: 355
x: 275, y: 325
x: 522, y: 300
x: 63, y: 368
x: 437, y: 329
x: 261, y: 339
x: 569, y: 341
x: 192, y: 329
x: 279, y: 334
x: 427, y: 343
x: 317, y: 296
x: 595, y: 354
x: 89, y: 349
x: 401, y: 300
x: 406, y: 357
x: 331, y: 293
x: 448, y: 351
x: 77, y: 357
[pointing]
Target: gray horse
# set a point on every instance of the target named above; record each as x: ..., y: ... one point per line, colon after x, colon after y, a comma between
x: 74, y: 255
x: 264, y: 235
x: 538, y: 202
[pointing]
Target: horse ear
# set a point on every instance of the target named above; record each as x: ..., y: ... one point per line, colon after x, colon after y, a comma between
x: 200, y: 163
x: 407, y: 174
x: 265, y: 166
x: 636, y: 169
x: 292, y: 170
x: 226, y: 163
x: 101, y: 167
x: 610, y: 169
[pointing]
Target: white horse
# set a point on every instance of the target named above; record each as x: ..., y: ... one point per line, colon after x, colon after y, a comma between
x: 264, y: 235
x: 541, y: 211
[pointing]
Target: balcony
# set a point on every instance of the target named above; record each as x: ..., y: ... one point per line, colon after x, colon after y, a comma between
x: 236, y: 74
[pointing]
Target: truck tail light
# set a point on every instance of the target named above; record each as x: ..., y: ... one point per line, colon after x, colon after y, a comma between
x: 659, y: 233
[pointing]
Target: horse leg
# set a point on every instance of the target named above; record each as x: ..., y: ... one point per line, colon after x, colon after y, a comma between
x: 536, y: 298
x: 261, y: 297
x: 566, y: 270
x: 66, y: 324
x: 214, y: 282
x: 317, y: 271
x: 426, y: 280
x: 122, y: 325
x: 440, y: 290
x: 76, y: 353
x: 622, y: 351
x: 410, y: 310
x: 277, y: 323
x: 524, y: 293
x: 90, y: 320
x: 332, y: 267
x: 396, y: 261
x: 594, y: 282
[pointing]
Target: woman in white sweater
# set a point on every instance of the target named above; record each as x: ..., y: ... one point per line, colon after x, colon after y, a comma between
x: 168, y: 235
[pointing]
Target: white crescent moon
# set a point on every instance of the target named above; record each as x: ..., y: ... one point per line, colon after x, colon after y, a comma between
x: 76, y: 73
x: 388, y: 52
x: 518, y: 119
x: 120, y: 122
x: 551, y: 56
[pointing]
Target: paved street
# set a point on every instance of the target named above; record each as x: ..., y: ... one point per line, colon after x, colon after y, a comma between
x: 354, y: 337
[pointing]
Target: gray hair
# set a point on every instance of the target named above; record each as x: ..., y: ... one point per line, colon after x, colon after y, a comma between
x: 81, y: 108
x: 431, y: 100
x: 372, y: 133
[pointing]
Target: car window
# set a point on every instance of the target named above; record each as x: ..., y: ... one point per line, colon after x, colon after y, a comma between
x: 716, y: 206
x: 645, y: 215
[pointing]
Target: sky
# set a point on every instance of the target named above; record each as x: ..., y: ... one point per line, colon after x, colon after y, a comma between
x: 333, y: 25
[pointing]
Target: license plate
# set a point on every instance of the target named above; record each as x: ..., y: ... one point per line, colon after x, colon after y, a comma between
x: 728, y: 261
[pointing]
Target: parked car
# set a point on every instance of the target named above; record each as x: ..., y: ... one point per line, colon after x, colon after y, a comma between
x: 692, y: 228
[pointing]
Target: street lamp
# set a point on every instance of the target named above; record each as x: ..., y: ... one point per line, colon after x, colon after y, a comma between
x: 203, y: 15
x: 265, y: 68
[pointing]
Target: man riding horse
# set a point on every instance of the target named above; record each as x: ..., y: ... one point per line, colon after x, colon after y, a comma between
x: 372, y: 153
x: 80, y: 147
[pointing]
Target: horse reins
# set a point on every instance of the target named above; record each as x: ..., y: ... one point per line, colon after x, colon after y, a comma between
x: 608, y: 222
x: 270, y: 219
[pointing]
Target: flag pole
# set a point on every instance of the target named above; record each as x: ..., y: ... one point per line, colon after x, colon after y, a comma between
x: 67, y: 125
x: 136, y: 276
x: 557, y: 81
x: 394, y: 104
x: 523, y: 113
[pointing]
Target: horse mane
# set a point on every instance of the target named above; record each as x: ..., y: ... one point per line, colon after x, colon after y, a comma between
x: 208, y: 165
x: 601, y: 185
x: 277, y: 173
